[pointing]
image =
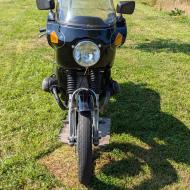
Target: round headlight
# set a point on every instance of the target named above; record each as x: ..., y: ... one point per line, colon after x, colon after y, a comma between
x: 86, y: 53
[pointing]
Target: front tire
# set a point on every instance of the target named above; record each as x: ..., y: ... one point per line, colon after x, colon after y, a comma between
x: 84, y: 147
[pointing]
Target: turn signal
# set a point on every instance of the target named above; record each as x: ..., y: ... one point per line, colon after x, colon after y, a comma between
x: 54, y: 38
x: 118, y: 39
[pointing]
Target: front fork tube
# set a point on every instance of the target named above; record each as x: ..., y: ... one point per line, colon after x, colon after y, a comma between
x: 72, y: 122
x: 95, y: 123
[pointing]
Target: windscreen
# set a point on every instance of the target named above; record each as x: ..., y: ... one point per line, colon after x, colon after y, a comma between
x: 90, y: 13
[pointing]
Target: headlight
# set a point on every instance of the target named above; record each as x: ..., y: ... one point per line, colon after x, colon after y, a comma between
x: 86, y: 53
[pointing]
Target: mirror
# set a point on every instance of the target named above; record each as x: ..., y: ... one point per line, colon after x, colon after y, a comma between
x: 126, y: 7
x: 45, y: 4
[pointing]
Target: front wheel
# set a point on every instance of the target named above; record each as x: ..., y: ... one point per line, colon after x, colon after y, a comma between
x: 84, y: 147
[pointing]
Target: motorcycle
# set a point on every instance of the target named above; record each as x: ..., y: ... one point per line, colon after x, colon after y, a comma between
x: 84, y: 35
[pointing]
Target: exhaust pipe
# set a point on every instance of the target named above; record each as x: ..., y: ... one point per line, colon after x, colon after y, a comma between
x: 57, y: 98
x: 49, y: 84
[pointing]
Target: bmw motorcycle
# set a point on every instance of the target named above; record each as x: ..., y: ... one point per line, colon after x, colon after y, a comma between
x: 84, y: 35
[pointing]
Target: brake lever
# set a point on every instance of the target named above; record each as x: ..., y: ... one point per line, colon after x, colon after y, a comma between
x: 43, y: 32
x: 42, y: 35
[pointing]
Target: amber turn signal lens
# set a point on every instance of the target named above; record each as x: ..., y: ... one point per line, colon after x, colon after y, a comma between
x: 118, y: 39
x: 54, y: 38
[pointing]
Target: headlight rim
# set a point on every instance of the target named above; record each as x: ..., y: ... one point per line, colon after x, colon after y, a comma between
x: 88, y: 42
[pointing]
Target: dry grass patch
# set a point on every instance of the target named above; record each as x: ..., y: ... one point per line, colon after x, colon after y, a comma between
x: 62, y: 163
x: 170, y: 4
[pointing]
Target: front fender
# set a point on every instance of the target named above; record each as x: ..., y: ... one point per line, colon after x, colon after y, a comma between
x: 85, y: 102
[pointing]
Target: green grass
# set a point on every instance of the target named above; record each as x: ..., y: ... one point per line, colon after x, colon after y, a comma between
x: 150, y: 141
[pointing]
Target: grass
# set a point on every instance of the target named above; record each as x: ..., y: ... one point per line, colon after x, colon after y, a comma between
x: 150, y: 141
x: 170, y: 5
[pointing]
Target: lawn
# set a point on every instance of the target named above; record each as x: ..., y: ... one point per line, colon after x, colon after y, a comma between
x: 150, y: 133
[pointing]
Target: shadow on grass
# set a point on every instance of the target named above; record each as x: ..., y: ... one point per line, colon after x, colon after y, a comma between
x: 137, y: 112
x: 164, y: 45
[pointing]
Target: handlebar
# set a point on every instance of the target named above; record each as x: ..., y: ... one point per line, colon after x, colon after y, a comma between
x: 42, y: 31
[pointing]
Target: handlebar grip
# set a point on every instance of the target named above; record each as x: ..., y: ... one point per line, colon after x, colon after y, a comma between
x: 42, y: 30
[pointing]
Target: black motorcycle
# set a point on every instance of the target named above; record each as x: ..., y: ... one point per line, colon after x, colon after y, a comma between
x: 84, y: 35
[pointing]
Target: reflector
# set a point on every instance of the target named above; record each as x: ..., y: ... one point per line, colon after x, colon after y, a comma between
x: 118, y: 39
x: 54, y: 38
